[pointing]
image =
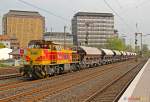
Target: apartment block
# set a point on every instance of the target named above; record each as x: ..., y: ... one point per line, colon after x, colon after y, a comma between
x: 92, y: 29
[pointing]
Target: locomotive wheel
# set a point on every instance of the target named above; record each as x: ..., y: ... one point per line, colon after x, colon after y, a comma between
x: 37, y: 72
x: 57, y: 71
x: 37, y: 75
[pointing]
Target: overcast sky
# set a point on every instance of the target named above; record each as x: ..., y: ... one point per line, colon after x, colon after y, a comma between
x: 127, y: 13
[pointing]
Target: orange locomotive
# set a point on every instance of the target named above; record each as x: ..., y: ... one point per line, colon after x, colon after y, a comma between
x: 44, y: 58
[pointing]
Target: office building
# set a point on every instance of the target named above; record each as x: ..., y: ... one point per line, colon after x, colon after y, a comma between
x: 92, y: 29
x: 59, y: 38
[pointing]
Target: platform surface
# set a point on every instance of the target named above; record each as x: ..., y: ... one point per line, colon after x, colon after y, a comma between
x: 139, y: 89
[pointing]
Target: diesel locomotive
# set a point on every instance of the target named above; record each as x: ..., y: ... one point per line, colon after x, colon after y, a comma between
x: 45, y: 58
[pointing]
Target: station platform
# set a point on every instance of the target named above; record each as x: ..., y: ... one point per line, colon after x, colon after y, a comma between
x: 139, y: 89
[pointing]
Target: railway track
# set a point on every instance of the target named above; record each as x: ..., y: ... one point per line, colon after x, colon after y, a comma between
x: 81, y: 92
x: 113, y: 90
x: 4, y: 71
x: 8, y: 76
x: 41, y: 89
x: 10, y: 79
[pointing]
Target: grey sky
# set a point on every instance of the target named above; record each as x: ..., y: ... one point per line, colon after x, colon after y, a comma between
x: 131, y: 11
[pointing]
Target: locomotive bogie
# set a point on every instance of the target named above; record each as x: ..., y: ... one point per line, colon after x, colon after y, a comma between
x: 42, y: 71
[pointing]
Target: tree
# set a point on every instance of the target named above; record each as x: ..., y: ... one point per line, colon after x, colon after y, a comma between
x: 2, y: 45
x: 137, y: 50
x: 116, y: 44
x: 145, y: 50
x: 129, y: 48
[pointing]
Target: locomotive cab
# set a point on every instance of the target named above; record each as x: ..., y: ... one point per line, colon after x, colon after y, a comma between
x: 44, y: 58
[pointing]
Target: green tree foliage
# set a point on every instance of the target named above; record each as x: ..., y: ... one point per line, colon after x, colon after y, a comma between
x: 137, y: 50
x: 145, y: 50
x: 2, y: 45
x: 116, y: 44
x: 129, y: 48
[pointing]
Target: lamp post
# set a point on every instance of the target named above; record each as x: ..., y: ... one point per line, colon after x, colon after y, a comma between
x: 87, y: 24
x: 141, y: 43
x: 141, y: 34
x: 87, y: 33
x: 65, y: 37
x: 136, y: 34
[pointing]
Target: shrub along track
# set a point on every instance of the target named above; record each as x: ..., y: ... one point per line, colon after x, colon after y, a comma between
x: 45, y: 89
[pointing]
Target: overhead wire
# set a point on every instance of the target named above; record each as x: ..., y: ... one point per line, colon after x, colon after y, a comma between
x: 119, y: 4
x: 51, y: 13
x: 122, y: 19
x: 142, y: 3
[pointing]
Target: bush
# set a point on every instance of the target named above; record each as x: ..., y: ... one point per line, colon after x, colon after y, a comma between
x: 3, y: 65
